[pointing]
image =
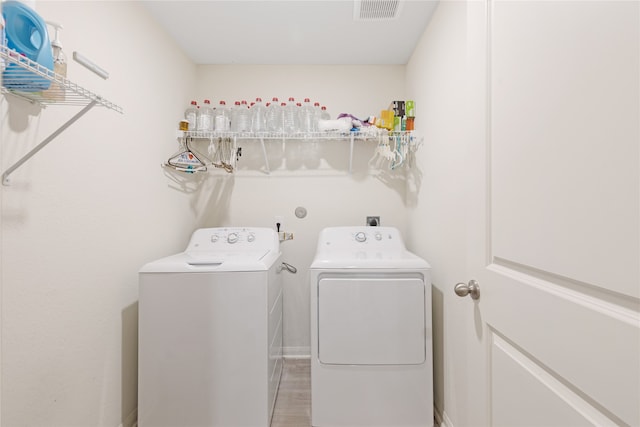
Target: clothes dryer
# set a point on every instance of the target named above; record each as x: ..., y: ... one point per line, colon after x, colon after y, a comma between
x: 210, y: 332
x: 371, y: 340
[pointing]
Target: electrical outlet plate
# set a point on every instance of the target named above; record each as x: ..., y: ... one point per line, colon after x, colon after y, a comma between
x: 373, y: 221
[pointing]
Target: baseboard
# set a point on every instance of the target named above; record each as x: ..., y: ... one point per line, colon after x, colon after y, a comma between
x: 446, y: 422
x: 131, y: 420
x: 296, y: 352
x: 441, y: 418
x: 437, y: 417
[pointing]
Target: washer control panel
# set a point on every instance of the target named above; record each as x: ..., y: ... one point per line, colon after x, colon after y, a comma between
x: 219, y: 239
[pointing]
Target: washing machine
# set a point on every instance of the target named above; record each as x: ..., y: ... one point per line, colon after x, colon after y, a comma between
x: 371, y: 337
x: 210, y: 332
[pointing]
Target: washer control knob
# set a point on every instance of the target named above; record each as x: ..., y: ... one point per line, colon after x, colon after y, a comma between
x: 232, y: 238
x: 214, y: 238
x: 378, y: 236
x: 361, y: 237
x: 251, y: 237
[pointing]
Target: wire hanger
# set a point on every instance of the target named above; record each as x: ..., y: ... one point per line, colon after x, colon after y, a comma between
x: 186, y: 160
x: 224, y: 153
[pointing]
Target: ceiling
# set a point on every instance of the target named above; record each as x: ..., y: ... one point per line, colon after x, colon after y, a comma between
x: 293, y: 31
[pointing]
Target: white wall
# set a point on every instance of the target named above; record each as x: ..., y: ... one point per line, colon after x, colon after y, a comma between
x: 436, y: 79
x: 312, y: 175
x: 82, y: 216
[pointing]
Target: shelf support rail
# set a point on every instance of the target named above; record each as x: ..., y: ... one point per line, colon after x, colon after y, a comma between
x: 72, y: 120
x: 351, y: 154
x: 266, y: 159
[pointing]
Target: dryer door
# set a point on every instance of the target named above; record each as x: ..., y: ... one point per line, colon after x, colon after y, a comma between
x: 371, y: 321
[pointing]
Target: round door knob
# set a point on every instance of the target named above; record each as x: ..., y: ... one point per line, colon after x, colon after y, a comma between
x: 463, y: 289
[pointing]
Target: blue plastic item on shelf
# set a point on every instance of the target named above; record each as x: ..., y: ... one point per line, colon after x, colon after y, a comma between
x: 3, y: 40
x: 26, y: 33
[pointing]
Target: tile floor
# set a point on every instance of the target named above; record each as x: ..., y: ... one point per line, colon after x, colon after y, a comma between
x: 293, y: 405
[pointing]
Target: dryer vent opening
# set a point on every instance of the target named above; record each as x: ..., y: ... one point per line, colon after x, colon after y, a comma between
x: 376, y: 10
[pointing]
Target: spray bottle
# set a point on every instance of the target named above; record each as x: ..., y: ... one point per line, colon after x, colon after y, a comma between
x: 56, y: 90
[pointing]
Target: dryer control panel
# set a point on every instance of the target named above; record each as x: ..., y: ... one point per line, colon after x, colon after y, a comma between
x: 363, y: 247
x: 358, y: 238
x: 232, y: 239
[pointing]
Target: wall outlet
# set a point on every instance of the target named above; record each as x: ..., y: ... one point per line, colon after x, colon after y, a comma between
x: 373, y: 221
x: 285, y: 236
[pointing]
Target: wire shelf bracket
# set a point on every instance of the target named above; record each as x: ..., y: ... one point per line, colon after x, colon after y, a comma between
x: 68, y: 93
x: 72, y: 120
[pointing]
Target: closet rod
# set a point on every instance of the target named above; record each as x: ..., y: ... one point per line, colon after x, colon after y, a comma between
x: 5, y: 175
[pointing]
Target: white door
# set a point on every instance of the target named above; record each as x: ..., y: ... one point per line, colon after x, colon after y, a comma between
x: 554, y: 212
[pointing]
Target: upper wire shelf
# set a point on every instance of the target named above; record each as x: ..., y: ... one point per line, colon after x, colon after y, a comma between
x: 378, y: 134
x: 61, y: 92
x: 395, y: 147
x: 28, y: 80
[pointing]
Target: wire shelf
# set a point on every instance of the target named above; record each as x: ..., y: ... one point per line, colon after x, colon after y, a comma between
x: 397, y: 148
x: 29, y: 80
x: 26, y: 79
x: 377, y: 134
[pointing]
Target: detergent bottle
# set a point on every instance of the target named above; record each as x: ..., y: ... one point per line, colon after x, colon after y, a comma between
x: 56, y: 90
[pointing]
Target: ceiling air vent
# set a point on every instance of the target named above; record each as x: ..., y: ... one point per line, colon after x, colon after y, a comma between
x: 376, y: 10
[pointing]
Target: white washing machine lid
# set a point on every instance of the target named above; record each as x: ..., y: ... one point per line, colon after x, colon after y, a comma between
x: 214, y: 262
x: 222, y: 249
x: 364, y: 247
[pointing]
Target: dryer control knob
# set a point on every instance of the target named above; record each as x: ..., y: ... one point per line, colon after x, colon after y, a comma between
x: 214, y: 238
x: 232, y: 237
x: 361, y: 237
x: 251, y: 237
x: 378, y: 236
